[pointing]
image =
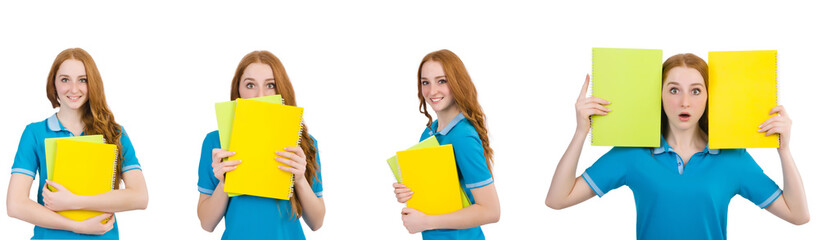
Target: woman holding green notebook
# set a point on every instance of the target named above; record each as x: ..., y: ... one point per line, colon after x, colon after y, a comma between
x: 682, y: 188
x: 75, y: 86
x: 260, y: 73
x: 444, y: 85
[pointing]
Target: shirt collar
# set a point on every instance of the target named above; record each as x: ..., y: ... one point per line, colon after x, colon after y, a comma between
x: 54, y: 124
x: 664, y: 147
x: 448, y: 127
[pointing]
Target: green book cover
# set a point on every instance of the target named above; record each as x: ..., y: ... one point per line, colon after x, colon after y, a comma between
x: 429, y: 142
x: 631, y: 79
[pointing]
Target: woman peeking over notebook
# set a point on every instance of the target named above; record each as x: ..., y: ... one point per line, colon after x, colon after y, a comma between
x: 75, y: 86
x: 445, y: 85
x: 259, y: 74
x: 682, y: 188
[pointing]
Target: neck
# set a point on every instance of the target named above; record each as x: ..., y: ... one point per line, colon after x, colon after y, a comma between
x: 693, y: 138
x: 71, y: 119
x: 445, y: 116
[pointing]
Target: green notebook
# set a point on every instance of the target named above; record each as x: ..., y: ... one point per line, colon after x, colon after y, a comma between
x: 51, y: 150
x: 429, y: 142
x: 631, y: 79
x: 224, y: 116
x: 224, y: 119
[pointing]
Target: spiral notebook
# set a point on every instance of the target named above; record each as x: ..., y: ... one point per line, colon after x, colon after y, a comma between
x: 259, y: 130
x: 432, y: 175
x: 224, y: 116
x: 429, y: 142
x: 742, y: 90
x: 631, y: 79
x: 84, y: 168
x: 51, y: 150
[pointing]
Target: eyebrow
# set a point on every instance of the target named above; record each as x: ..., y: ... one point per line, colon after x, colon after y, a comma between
x: 65, y: 75
x: 676, y: 83
x: 436, y: 77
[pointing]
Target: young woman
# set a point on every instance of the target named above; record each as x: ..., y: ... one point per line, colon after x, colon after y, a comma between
x: 259, y: 74
x: 75, y: 86
x: 681, y: 189
x: 444, y: 84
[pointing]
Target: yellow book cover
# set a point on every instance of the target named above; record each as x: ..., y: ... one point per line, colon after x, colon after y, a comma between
x: 742, y: 88
x: 429, y: 142
x: 259, y: 130
x: 84, y: 168
x: 432, y: 175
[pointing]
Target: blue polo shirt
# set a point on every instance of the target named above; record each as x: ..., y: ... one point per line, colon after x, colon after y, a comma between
x: 472, y: 170
x: 251, y: 217
x: 30, y: 159
x: 682, y: 201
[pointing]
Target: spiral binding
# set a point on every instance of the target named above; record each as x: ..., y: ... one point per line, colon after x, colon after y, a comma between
x: 591, y: 85
x: 114, y: 171
x: 298, y: 142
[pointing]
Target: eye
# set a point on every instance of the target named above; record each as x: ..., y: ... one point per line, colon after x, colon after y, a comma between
x: 674, y: 90
x: 63, y: 79
x: 83, y: 80
x: 695, y: 91
x: 424, y: 82
x: 442, y: 81
x: 250, y: 86
x: 271, y: 86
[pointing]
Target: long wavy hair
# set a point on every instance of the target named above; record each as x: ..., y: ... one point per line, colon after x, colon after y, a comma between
x: 96, y: 117
x: 462, y: 88
x: 690, y: 61
x: 285, y: 88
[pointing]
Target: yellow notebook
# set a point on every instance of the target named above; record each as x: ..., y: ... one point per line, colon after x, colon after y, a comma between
x: 84, y: 168
x: 432, y: 175
x: 259, y: 130
x: 224, y: 116
x: 742, y: 88
x: 429, y: 142
x: 51, y: 150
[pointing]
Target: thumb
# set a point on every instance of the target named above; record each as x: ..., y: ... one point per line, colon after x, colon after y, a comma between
x: 55, y: 185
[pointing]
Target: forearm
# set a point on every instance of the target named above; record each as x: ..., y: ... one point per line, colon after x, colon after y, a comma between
x: 29, y: 211
x: 563, y: 180
x: 794, y: 191
x: 311, y: 205
x: 119, y: 200
x: 473, y: 216
x: 212, y: 208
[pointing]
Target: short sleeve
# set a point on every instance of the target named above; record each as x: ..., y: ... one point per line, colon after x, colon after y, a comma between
x: 318, y: 187
x: 207, y: 181
x: 754, y: 184
x: 471, y: 162
x: 25, y: 161
x: 130, y: 161
x: 609, y: 172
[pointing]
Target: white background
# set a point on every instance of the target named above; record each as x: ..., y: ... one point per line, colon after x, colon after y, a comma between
x: 353, y: 65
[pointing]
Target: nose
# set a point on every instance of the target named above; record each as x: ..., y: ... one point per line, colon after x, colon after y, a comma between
x: 75, y: 87
x: 686, y: 101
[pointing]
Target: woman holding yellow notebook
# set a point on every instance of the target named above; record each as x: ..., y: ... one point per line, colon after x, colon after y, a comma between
x: 260, y: 73
x: 682, y: 188
x: 444, y: 85
x: 75, y: 86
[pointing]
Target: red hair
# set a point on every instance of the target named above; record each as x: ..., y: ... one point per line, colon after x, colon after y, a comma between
x: 285, y: 88
x: 96, y: 117
x: 466, y: 96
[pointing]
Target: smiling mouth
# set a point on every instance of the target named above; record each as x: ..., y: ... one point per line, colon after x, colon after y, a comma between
x: 74, y: 99
x: 436, y: 100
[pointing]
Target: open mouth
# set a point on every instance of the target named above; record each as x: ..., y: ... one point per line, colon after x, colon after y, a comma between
x: 684, y: 116
x: 74, y: 98
x: 436, y: 100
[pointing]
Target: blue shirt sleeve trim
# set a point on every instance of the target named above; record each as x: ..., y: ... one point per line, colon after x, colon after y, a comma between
x: 23, y: 171
x: 131, y: 167
x: 206, y: 191
x: 770, y: 199
x: 320, y: 194
x: 479, y: 184
x: 592, y: 184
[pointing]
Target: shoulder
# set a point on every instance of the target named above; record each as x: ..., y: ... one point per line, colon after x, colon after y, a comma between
x: 464, y: 128
x: 628, y: 153
x: 36, y: 127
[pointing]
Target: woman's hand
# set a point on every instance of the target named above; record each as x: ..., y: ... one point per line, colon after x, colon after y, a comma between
x: 59, y: 200
x: 402, y: 193
x: 415, y: 221
x: 220, y: 167
x: 94, y: 225
x: 588, y: 106
x: 780, y: 124
x: 295, y: 158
